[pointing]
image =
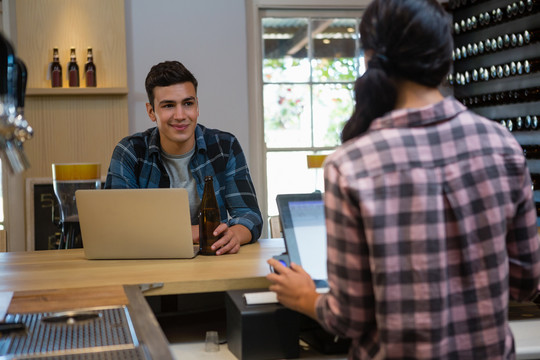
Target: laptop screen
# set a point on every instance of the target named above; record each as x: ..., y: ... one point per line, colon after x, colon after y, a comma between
x: 304, y: 231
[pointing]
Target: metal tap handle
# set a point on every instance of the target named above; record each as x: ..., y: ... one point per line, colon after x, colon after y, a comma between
x: 13, y: 155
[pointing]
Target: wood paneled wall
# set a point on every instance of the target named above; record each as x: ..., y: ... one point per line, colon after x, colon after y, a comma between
x: 73, y: 124
x: 74, y: 129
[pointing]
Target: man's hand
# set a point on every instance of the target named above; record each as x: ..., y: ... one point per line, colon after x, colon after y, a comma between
x: 294, y: 287
x: 230, y: 238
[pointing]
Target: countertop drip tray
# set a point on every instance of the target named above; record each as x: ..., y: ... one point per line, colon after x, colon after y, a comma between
x: 89, y: 334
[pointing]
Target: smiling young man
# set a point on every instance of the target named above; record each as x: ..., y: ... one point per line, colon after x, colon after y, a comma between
x: 178, y: 152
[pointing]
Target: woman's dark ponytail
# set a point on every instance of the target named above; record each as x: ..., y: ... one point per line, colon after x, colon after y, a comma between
x: 375, y: 95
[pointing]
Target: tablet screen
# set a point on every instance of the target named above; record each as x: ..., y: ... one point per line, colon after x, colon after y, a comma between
x: 310, y: 233
x: 304, y: 231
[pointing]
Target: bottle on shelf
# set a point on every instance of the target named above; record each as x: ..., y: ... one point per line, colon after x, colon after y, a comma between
x: 528, y: 123
x: 56, y: 70
x: 521, y: 7
x: 513, y: 40
x: 73, y: 69
x: 90, y: 69
x: 531, y: 151
x: 510, y: 125
x: 533, y: 94
x: 531, y: 36
x: 475, y: 75
x: 209, y: 218
x: 532, y: 5
x: 506, y: 40
x: 535, y: 179
x: 519, y: 123
x: 530, y: 66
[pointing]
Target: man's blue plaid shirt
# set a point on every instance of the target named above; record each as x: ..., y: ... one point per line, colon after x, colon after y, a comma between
x: 136, y: 163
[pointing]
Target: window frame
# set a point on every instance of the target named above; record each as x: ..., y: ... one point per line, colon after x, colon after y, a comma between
x: 255, y: 11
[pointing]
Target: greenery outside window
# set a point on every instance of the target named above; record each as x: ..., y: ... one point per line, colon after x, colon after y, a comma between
x: 309, y: 67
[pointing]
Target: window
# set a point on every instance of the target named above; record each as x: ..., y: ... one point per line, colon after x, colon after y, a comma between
x: 309, y: 66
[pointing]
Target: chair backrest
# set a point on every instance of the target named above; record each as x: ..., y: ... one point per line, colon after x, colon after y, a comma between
x: 315, y: 161
x: 275, y: 227
x: 3, y: 241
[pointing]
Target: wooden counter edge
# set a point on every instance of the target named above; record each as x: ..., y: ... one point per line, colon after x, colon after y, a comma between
x: 146, y: 325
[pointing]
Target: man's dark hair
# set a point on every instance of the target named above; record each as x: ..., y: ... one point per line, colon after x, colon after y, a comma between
x: 410, y: 39
x: 165, y: 74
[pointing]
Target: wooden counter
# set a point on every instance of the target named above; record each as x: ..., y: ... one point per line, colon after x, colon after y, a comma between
x: 65, y: 269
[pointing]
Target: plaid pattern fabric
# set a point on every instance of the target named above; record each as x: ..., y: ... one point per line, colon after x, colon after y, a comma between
x: 431, y: 229
x: 136, y: 163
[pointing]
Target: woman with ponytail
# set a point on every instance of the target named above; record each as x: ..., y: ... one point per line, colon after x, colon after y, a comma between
x: 430, y: 218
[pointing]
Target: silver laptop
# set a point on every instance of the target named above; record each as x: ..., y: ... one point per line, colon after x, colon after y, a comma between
x: 135, y: 224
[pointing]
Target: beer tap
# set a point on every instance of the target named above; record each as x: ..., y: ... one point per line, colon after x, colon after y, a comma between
x: 14, y: 128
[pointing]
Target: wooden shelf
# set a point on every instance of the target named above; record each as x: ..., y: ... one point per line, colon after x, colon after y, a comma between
x: 77, y: 91
x: 68, y: 120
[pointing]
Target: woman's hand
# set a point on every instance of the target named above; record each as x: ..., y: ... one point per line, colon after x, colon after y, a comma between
x: 294, y: 287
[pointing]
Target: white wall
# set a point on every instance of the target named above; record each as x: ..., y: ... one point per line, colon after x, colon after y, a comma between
x: 209, y: 38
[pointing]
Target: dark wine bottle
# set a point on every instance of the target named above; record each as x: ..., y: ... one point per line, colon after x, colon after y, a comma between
x: 531, y: 66
x: 527, y: 123
x: 510, y: 125
x: 519, y: 123
x: 534, y: 123
x: 73, y: 69
x: 90, y: 69
x: 532, y: 5
x: 56, y: 70
x: 531, y: 36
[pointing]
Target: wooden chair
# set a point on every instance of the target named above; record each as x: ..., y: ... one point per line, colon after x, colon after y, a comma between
x: 315, y: 161
x: 3, y: 241
x: 275, y: 227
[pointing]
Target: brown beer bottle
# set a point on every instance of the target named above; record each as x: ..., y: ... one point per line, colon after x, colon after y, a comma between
x: 209, y: 218
x: 73, y: 69
x: 90, y: 69
x: 56, y: 70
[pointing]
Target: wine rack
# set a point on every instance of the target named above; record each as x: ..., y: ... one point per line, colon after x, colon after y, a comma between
x: 496, y: 68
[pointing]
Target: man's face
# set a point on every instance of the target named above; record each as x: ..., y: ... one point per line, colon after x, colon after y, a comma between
x: 175, y: 112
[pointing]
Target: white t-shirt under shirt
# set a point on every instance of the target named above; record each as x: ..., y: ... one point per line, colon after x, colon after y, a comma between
x: 177, y: 167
